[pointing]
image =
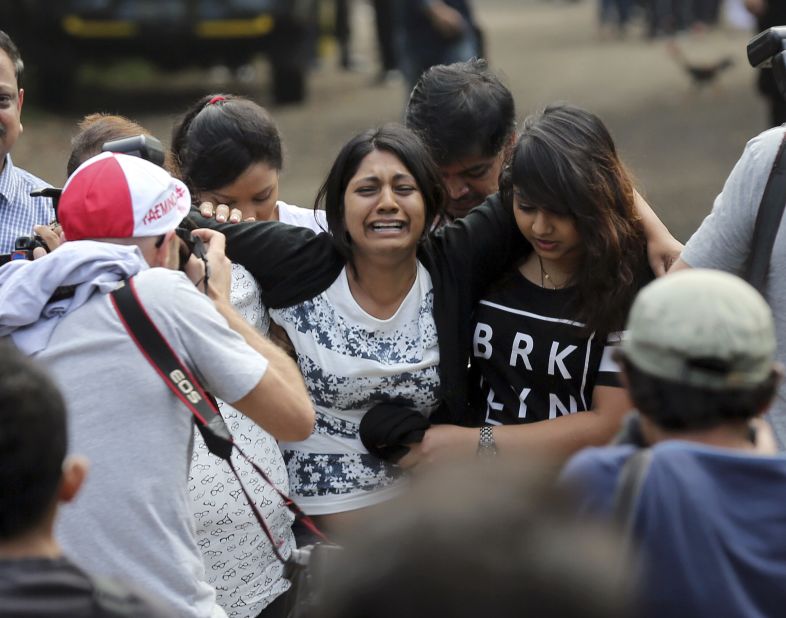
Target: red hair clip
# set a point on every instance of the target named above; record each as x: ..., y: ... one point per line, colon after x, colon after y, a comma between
x: 216, y: 99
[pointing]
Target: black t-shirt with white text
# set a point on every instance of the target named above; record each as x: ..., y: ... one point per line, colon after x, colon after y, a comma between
x: 531, y: 361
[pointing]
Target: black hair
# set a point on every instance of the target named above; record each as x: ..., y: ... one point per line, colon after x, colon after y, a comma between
x: 676, y: 406
x: 32, y: 442
x: 218, y: 138
x: 565, y: 162
x: 461, y: 110
x: 10, y: 48
x: 397, y: 140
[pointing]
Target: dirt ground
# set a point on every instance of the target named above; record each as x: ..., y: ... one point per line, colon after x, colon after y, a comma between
x: 680, y: 142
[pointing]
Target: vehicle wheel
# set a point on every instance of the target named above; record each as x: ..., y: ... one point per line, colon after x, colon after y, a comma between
x: 289, y: 83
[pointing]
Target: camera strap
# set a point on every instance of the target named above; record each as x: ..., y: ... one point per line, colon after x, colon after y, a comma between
x: 768, y: 221
x: 202, y: 405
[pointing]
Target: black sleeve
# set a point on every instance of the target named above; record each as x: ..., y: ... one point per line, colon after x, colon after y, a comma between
x: 482, y: 245
x: 290, y: 263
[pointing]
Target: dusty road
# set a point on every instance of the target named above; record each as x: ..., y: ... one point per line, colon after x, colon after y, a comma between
x: 680, y: 143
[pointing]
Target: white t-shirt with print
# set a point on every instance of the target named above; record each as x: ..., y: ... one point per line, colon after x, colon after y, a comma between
x: 239, y: 561
x: 351, y: 361
x: 302, y: 217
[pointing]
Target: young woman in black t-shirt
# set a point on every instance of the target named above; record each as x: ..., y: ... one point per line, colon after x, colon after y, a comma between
x: 543, y: 333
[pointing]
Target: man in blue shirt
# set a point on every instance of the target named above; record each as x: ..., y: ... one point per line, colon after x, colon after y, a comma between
x: 707, y: 510
x: 19, y: 213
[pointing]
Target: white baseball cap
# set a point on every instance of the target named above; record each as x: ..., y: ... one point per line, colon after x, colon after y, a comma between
x: 703, y: 328
x: 114, y: 195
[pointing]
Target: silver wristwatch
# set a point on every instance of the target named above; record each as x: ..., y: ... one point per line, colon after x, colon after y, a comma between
x: 487, y: 447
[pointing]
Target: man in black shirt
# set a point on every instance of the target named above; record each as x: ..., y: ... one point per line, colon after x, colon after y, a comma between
x: 35, y: 474
x: 466, y: 117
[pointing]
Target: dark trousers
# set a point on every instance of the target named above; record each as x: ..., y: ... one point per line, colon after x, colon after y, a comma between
x: 386, y: 25
x: 343, y: 31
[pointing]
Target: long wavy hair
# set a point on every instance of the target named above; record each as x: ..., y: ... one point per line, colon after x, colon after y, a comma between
x: 565, y: 162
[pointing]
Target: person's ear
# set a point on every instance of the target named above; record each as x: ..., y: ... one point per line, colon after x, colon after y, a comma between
x: 74, y: 473
x: 778, y: 371
x: 21, y: 99
x: 163, y: 254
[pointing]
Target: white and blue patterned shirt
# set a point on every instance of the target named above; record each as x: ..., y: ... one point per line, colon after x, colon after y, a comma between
x: 18, y: 211
x: 351, y: 361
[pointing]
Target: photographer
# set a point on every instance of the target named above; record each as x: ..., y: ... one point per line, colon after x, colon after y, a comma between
x: 121, y: 216
x: 725, y: 239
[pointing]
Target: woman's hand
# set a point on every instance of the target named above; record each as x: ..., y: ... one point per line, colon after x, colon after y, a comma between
x: 442, y: 443
x: 222, y: 213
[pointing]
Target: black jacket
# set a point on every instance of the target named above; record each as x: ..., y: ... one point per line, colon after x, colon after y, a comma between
x: 293, y: 264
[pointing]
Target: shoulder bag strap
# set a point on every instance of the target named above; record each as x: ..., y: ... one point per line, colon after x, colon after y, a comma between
x: 629, y: 484
x: 768, y: 221
x: 189, y: 391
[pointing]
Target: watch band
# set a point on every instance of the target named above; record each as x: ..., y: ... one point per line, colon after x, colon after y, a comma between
x: 487, y: 447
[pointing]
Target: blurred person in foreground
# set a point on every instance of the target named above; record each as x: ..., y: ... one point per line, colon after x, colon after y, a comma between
x: 19, y: 213
x: 707, y: 507
x: 36, y: 579
x: 459, y: 546
x: 121, y: 217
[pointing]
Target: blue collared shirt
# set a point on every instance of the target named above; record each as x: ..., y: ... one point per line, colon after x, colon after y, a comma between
x: 18, y: 211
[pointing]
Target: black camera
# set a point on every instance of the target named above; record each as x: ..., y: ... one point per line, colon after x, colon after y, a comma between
x: 23, y: 249
x: 143, y: 146
x: 767, y: 50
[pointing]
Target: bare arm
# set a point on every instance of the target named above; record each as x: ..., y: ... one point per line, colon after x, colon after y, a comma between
x: 662, y: 248
x: 756, y: 7
x: 556, y: 439
x: 279, y: 403
x: 445, y: 19
x: 680, y: 264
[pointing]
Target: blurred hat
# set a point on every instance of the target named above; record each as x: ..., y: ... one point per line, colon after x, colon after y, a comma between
x: 702, y: 328
x: 120, y: 196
